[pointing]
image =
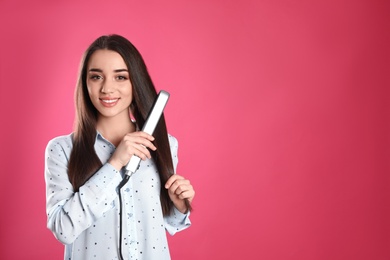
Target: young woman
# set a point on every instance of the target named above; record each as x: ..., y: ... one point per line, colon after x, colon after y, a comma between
x: 83, y: 170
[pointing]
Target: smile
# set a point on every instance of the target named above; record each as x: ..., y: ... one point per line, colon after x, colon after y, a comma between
x: 109, y: 101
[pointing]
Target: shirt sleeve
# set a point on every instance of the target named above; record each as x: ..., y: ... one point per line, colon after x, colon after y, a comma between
x: 176, y: 221
x: 70, y: 213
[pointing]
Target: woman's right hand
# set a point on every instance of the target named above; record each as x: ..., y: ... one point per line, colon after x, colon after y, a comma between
x: 135, y: 143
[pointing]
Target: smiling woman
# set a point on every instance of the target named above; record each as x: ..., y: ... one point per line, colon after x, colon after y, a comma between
x: 83, y: 169
x: 109, y: 88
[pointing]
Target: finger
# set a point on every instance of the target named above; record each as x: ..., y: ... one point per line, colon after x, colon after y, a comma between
x: 143, y: 151
x: 172, y: 179
x: 147, y: 144
x: 179, y: 186
x: 140, y: 151
x: 141, y: 134
x: 139, y: 154
x: 184, y: 192
x: 132, y: 148
x: 189, y: 194
x: 142, y: 140
x: 139, y: 143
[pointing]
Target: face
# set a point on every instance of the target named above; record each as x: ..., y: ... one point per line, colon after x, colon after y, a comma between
x: 108, y: 84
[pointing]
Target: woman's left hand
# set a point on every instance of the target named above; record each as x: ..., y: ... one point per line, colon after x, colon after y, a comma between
x: 180, y: 189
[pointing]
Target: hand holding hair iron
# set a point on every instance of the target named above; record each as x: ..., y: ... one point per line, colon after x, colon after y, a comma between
x: 149, y: 126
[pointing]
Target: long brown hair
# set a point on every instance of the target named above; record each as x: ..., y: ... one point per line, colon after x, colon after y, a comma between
x: 83, y: 161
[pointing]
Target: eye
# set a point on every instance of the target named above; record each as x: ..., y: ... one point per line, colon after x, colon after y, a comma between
x: 95, y: 77
x: 121, y: 77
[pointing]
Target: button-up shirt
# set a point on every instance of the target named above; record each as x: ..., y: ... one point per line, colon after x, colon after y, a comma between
x: 87, y: 221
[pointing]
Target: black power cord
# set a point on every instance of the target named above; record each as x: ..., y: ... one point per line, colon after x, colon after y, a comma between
x: 121, y: 184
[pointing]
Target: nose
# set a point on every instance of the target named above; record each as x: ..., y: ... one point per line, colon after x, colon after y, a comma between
x: 107, y: 86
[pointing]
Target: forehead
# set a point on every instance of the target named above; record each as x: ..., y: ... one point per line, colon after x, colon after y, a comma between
x: 106, y: 60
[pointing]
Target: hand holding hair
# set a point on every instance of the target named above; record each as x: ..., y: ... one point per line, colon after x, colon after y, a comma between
x: 180, y: 192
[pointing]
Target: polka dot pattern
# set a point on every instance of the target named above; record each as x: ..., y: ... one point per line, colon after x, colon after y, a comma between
x: 87, y: 221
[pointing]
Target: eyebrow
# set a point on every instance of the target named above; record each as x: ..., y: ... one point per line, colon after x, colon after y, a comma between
x: 99, y: 70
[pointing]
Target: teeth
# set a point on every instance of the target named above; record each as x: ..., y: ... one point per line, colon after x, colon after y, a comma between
x: 109, y: 100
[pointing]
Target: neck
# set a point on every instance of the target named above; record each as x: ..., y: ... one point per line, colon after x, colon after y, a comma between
x: 115, y: 128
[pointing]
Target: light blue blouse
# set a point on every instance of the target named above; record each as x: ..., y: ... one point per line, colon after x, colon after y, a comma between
x: 87, y: 221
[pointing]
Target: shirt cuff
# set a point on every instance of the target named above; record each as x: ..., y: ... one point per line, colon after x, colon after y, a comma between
x: 177, y: 221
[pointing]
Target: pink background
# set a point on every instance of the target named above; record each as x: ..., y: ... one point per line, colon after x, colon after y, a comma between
x: 281, y: 109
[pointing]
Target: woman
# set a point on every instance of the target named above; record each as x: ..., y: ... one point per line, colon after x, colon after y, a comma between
x: 83, y: 170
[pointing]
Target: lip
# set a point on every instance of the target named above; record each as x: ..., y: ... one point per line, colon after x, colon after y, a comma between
x: 109, y: 102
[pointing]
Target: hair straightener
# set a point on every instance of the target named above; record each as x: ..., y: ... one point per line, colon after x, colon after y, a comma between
x: 149, y: 126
